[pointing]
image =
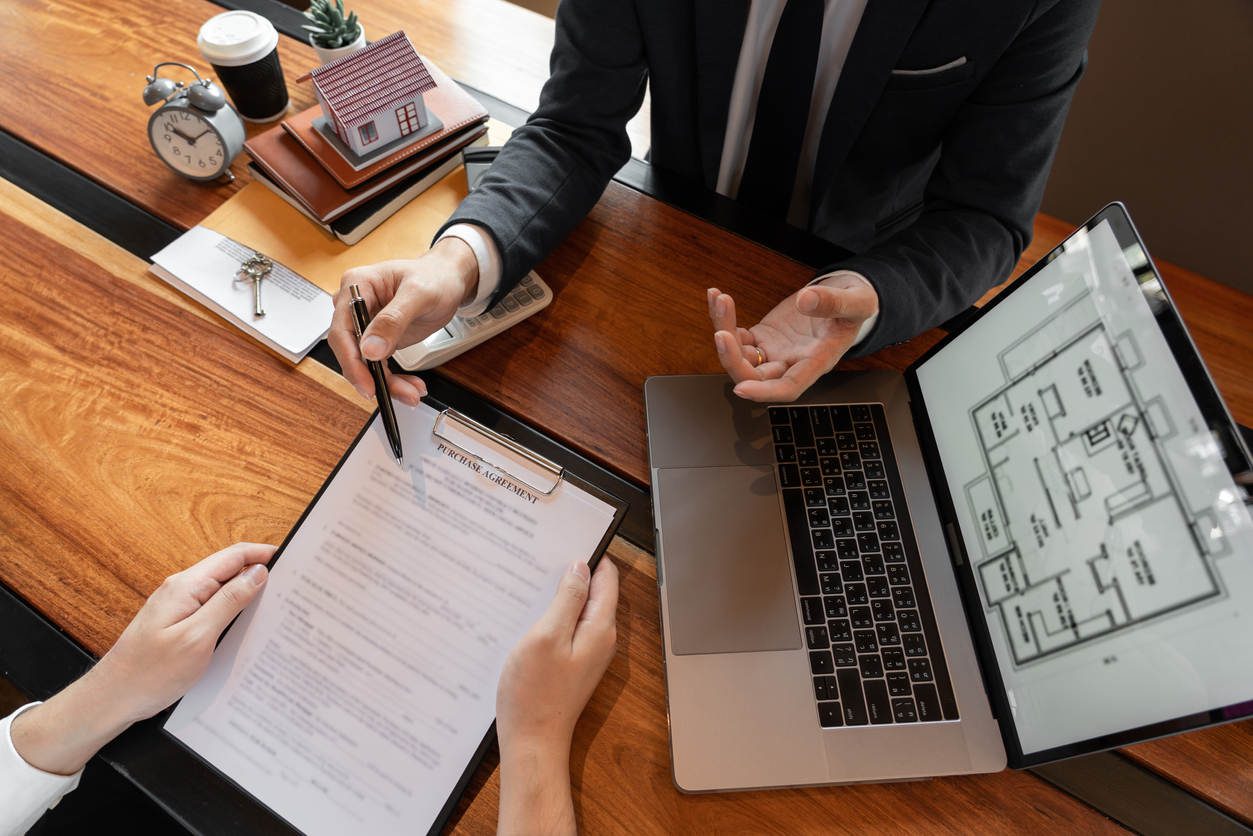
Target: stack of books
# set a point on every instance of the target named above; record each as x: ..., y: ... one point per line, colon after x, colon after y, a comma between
x: 388, y: 126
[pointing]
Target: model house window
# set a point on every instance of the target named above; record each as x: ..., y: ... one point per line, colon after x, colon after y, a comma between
x: 368, y: 133
x: 407, y: 117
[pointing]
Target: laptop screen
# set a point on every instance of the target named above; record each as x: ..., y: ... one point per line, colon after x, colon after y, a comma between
x: 1107, y: 545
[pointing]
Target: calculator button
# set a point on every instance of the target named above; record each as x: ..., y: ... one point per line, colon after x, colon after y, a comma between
x: 485, y: 317
x: 527, y: 280
x: 510, y: 304
x: 536, y: 291
x: 472, y: 322
x: 524, y: 299
x: 498, y: 312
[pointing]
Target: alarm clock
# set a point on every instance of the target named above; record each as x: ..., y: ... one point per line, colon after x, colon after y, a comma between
x: 194, y: 131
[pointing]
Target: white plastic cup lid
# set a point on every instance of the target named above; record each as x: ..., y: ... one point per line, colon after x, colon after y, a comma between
x: 233, y: 39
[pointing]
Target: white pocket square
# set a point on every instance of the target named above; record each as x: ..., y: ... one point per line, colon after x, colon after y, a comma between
x: 933, y: 70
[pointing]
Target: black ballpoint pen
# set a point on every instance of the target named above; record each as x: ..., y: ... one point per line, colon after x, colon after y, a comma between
x: 361, y: 318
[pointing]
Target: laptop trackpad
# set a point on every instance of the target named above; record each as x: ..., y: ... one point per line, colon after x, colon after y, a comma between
x: 725, y: 562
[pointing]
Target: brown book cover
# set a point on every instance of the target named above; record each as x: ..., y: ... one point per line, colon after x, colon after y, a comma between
x: 289, y: 164
x: 456, y: 108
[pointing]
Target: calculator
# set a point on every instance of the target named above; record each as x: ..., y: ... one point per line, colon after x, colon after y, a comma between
x: 465, y: 332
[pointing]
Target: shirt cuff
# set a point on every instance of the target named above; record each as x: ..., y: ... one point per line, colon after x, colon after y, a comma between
x: 868, y: 325
x: 26, y: 793
x: 488, y: 256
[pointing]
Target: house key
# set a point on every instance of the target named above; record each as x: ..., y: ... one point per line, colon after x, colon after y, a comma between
x: 256, y: 268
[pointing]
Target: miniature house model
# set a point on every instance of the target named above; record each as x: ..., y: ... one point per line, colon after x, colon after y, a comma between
x: 373, y: 97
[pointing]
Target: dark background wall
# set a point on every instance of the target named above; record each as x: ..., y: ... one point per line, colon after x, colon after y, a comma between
x: 1163, y: 121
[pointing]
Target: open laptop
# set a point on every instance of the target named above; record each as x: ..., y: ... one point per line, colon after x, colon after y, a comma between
x: 1034, y: 544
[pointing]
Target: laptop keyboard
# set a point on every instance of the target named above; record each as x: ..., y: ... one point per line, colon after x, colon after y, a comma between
x: 874, y: 650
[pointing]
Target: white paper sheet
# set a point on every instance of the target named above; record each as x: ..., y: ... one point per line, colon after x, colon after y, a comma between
x: 204, y: 264
x: 351, y: 696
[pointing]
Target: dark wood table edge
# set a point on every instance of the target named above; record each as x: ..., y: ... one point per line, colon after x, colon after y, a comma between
x: 40, y: 659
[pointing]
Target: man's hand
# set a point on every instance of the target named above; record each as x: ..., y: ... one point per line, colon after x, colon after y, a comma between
x: 408, y: 301
x: 547, y: 681
x: 796, y: 343
x: 161, y: 654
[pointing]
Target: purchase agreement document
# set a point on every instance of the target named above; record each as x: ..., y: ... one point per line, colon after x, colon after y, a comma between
x: 351, y: 696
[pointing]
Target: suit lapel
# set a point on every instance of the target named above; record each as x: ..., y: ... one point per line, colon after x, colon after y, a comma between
x: 719, y: 34
x: 882, y: 34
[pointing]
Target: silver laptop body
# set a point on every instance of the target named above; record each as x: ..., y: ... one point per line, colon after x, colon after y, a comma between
x: 738, y: 679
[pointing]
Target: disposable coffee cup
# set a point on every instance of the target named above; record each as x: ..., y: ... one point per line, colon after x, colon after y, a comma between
x: 242, y: 48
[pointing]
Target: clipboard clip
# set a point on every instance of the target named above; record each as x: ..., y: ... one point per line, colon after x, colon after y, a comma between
x: 451, y: 415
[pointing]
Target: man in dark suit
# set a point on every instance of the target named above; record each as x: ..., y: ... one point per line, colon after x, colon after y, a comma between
x: 925, y: 151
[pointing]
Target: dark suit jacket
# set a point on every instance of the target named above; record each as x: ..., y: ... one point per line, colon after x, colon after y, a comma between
x: 933, y: 180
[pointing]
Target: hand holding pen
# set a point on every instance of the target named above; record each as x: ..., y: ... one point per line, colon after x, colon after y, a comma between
x: 360, y: 319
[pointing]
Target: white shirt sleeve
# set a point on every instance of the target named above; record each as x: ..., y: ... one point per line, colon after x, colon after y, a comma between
x: 489, y: 265
x: 868, y: 325
x: 26, y: 793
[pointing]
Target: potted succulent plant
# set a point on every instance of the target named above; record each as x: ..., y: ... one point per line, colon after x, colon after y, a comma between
x: 333, y: 32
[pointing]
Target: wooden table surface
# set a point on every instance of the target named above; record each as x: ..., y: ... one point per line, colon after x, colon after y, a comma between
x: 142, y: 433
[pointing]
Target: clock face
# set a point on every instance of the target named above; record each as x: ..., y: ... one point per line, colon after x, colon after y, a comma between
x: 187, y: 143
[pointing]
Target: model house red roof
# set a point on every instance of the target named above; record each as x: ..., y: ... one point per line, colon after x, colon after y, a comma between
x: 377, y: 78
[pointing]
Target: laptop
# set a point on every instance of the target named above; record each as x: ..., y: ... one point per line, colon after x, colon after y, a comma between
x: 1034, y: 544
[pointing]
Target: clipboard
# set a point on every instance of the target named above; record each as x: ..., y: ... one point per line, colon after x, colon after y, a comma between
x: 453, y: 429
x: 561, y: 474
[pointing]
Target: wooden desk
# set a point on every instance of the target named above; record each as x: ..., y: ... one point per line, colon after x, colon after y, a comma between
x: 142, y: 433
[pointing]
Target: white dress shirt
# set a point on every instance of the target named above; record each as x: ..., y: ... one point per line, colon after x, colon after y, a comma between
x: 26, y: 793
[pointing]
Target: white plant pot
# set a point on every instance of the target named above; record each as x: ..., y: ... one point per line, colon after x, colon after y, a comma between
x: 326, y: 56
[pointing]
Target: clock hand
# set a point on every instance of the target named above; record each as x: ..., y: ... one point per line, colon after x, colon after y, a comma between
x: 190, y: 139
